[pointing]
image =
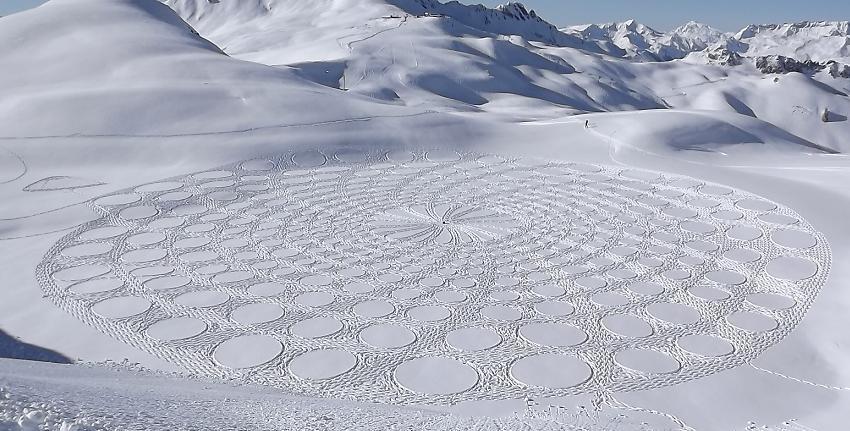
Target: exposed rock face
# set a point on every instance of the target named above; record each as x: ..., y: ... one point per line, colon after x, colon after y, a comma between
x: 724, y: 56
x: 838, y: 70
x: 508, y: 19
x: 517, y: 11
x: 781, y: 65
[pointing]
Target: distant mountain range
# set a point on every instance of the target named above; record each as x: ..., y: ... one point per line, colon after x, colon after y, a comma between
x: 817, y: 41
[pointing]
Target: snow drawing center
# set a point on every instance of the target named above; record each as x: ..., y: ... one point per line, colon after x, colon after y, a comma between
x: 443, y: 224
x: 438, y: 277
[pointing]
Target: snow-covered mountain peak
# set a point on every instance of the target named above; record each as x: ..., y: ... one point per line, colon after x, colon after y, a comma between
x: 518, y: 11
x: 508, y: 19
x: 636, y: 40
x: 697, y: 31
x: 807, y: 28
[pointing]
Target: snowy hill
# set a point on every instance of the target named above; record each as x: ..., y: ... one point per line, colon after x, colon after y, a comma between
x: 123, y: 57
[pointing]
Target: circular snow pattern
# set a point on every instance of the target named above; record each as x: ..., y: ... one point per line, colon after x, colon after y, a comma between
x: 439, y: 277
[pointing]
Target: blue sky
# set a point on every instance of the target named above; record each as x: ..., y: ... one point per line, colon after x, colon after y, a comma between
x: 727, y: 15
x: 9, y: 6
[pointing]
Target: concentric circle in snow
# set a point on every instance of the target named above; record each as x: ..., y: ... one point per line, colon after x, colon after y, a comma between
x: 647, y: 361
x: 176, y: 328
x: 247, y: 351
x: 551, y: 371
x: 437, y: 277
x: 473, y: 339
x: 387, y: 336
x: 322, y: 364
x: 435, y: 376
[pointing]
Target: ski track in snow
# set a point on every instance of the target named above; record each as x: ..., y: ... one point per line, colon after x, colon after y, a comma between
x: 351, y: 44
x: 439, y: 277
x: 214, y: 133
x: 799, y: 380
x: 12, y: 166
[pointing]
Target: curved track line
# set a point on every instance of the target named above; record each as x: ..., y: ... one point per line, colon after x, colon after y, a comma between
x: 224, y: 132
x: 799, y: 380
x: 21, y: 161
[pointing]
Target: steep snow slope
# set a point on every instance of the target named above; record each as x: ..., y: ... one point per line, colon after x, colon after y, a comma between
x: 127, y: 66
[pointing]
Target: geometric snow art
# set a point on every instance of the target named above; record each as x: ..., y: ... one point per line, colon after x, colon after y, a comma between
x: 437, y: 277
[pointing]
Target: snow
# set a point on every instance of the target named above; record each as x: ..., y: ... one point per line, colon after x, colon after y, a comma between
x: 414, y: 214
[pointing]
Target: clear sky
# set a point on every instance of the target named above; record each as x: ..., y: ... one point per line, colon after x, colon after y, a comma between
x: 727, y: 15
x: 9, y: 6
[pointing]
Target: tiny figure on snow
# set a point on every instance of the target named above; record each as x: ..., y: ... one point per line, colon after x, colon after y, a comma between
x: 586, y: 124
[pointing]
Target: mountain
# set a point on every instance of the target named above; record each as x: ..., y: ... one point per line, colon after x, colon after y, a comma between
x: 641, y: 42
x: 327, y: 28
x: 507, y: 19
x: 819, y: 41
x: 695, y: 36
